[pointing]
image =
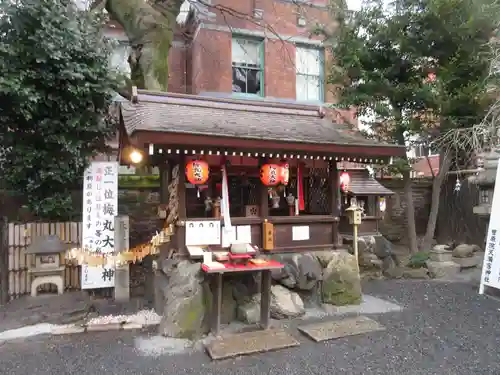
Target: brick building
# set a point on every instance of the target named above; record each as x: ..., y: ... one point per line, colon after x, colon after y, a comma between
x: 252, y: 49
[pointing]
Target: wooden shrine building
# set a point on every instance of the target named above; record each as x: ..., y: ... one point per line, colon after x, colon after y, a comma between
x: 243, y: 136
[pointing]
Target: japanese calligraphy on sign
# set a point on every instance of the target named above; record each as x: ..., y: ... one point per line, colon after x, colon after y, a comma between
x: 490, y: 275
x: 100, y: 206
x: 273, y: 175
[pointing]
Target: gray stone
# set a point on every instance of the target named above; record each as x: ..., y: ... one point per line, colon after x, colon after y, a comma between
x: 285, y: 303
x: 301, y: 271
x: 383, y: 248
x: 245, y: 286
x: 440, y: 255
x: 341, y: 281
x: 394, y: 273
x: 184, y: 311
x: 465, y: 250
x: 442, y: 270
x: 415, y: 273
x: 366, y: 244
x: 250, y: 311
x: 324, y: 257
x: 469, y: 262
x: 370, y: 260
x: 440, y: 248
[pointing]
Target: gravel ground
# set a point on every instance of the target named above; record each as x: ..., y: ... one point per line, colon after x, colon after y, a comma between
x: 445, y: 329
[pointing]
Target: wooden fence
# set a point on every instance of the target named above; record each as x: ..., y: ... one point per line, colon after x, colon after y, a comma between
x: 19, y: 238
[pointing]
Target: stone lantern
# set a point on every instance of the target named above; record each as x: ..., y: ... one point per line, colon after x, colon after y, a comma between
x: 485, y: 180
x: 46, y: 266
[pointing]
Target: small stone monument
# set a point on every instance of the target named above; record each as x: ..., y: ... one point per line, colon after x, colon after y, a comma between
x: 45, y: 266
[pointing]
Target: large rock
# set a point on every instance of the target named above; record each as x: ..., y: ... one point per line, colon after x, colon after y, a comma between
x: 184, y: 312
x: 250, y: 311
x: 324, y: 257
x: 465, y: 251
x: 443, y: 270
x: 285, y: 303
x: 302, y: 271
x: 341, y: 280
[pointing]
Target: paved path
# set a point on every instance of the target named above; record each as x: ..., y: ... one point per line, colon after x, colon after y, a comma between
x: 446, y: 329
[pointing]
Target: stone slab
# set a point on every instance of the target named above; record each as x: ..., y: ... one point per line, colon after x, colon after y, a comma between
x: 340, y: 328
x: 127, y: 326
x: 250, y: 343
x: 68, y: 330
x: 104, y: 327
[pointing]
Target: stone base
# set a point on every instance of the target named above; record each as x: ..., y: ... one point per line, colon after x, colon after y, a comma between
x: 470, y: 262
x: 57, y: 280
x: 436, y: 255
x: 442, y: 270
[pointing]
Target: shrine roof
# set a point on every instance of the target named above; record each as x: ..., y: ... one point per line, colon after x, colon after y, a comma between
x: 243, y: 119
x: 362, y: 183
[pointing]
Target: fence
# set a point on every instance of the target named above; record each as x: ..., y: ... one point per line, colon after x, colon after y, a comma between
x: 19, y: 238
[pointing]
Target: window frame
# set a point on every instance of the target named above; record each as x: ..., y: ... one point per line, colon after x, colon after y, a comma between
x: 321, y: 76
x: 261, y: 46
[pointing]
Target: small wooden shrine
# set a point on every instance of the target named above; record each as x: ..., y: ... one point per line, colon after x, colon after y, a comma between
x: 358, y: 185
x: 276, y: 163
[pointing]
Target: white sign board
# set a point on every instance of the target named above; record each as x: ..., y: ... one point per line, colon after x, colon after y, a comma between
x: 490, y: 275
x: 203, y: 232
x: 100, y: 206
x: 300, y: 233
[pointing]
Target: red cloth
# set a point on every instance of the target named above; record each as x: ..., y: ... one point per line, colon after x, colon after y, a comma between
x: 300, y: 188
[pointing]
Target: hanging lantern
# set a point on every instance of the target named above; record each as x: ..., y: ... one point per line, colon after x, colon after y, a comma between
x: 285, y: 173
x: 270, y: 174
x: 197, y: 172
x: 345, y: 179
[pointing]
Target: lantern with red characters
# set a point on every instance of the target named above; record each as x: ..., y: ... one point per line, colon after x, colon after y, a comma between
x: 345, y: 179
x: 285, y: 173
x: 197, y: 172
x: 270, y: 174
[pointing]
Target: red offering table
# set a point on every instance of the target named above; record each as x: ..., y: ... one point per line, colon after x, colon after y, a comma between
x: 265, y: 300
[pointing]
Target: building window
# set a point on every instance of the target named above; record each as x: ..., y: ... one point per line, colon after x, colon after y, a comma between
x: 309, y: 67
x: 247, y: 59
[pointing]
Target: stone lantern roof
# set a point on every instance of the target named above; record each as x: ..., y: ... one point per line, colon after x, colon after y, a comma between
x: 46, y: 245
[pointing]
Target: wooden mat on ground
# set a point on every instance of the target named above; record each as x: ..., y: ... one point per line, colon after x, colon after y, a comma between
x: 340, y: 328
x: 250, y: 343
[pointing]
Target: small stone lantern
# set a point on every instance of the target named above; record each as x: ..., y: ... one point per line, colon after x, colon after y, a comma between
x: 485, y: 180
x: 45, y: 266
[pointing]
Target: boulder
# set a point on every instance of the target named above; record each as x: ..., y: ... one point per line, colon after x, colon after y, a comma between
x: 324, y: 257
x: 394, y: 272
x: 285, y: 303
x: 465, y: 251
x: 370, y: 260
x: 366, y: 244
x: 184, y: 311
x: 302, y: 271
x: 383, y: 247
x: 415, y: 273
x: 250, y: 311
x: 245, y: 286
x: 341, y: 280
x: 442, y: 270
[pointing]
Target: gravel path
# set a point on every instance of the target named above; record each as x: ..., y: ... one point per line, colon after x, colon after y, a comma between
x: 445, y: 329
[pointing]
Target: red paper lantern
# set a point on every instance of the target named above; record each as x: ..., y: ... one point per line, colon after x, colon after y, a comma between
x: 285, y: 173
x: 197, y: 172
x: 270, y: 174
x: 345, y: 179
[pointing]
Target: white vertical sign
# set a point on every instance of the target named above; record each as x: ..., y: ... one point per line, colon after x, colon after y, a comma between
x: 490, y: 275
x: 100, y: 206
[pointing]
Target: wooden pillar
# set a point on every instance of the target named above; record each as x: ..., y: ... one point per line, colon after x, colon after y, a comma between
x: 165, y: 175
x: 181, y: 196
x: 334, y: 199
x: 263, y: 195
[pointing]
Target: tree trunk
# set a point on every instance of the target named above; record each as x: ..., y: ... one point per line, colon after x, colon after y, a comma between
x: 437, y: 184
x: 150, y: 29
x: 410, y: 213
